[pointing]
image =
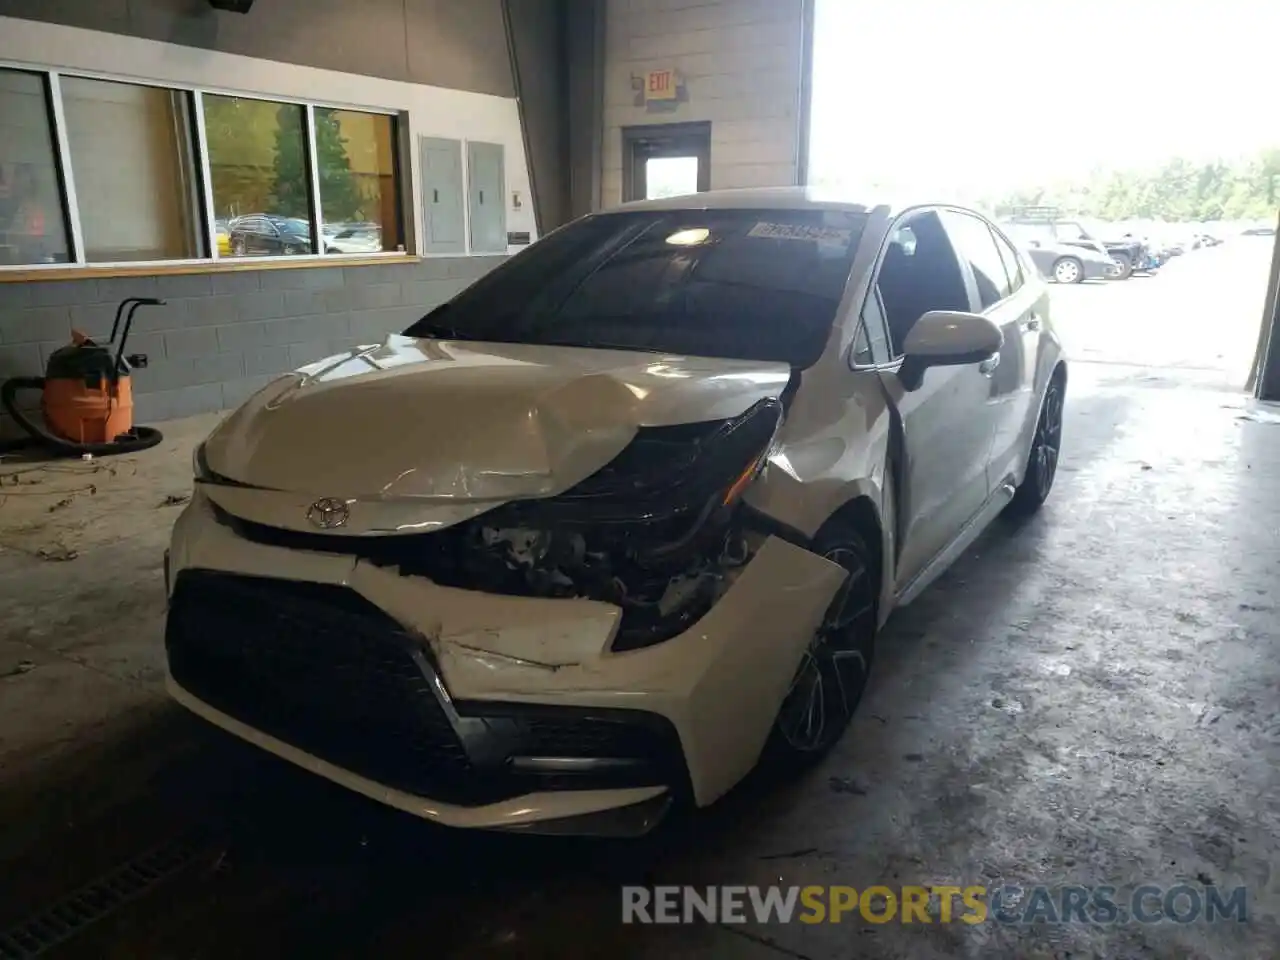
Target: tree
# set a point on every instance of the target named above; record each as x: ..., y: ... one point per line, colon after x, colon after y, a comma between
x: 339, y: 193
x: 291, y: 196
x: 1179, y: 190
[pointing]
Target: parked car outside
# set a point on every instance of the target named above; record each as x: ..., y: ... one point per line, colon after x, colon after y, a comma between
x: 357, y: 238
x: 622, y: 519
x: 1128, y: 254
x: 1061, y: 262
x: 265, y: 234
x: 222, y: 236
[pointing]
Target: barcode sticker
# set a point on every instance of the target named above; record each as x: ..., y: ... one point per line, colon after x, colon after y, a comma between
x: 801, y: 231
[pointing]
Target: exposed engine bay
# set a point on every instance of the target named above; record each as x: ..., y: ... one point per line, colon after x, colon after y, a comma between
x: 657, y: 531
x: 660, y: 595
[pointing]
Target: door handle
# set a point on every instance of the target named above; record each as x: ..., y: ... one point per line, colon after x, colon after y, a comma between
x: 988, y: 366
x: 1033, y: 322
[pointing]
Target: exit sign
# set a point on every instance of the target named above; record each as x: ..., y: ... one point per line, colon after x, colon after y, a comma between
x: 660, y: 85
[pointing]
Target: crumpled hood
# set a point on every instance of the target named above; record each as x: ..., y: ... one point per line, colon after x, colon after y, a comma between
x: 454, y: 420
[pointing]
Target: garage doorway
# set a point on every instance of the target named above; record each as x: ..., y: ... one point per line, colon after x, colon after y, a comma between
x: 1159, y: 205
x: 665, y: 160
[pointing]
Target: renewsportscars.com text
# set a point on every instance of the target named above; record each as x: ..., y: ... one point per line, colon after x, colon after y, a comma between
x: 1182, y: 903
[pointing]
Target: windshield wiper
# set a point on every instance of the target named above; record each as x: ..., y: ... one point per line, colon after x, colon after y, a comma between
x: 430, y: 327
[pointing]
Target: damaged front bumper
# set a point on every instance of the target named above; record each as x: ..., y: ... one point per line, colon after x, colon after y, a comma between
x: 475, y: 709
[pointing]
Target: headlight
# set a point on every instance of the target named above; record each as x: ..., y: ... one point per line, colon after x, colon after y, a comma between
x: 670, y: 472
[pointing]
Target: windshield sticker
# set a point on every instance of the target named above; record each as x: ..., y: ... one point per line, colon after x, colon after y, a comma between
x: 827, y: 236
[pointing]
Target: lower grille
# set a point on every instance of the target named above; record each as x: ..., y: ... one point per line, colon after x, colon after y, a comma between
x: 318, y: 667
x: 321, y: 668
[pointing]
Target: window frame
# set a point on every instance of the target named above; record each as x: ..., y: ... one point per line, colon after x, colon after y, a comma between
x: 207, y: 235
x: 861, y: 330
x: 1015, y: 283
x: 953, y: 213
x: 897, y: 220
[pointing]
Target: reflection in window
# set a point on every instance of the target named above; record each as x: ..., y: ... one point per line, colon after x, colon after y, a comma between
x: 258, y: 172
x: 130, y: 150
x: 355, y: 164
x: 32, y: 221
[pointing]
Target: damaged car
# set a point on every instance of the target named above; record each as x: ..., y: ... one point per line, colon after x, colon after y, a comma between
x: 621, y: 520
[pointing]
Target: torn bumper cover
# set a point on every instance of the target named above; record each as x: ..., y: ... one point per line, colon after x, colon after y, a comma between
x: 477, y: 709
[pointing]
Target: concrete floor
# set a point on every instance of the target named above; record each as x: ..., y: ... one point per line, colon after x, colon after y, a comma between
x: 1090, y: 699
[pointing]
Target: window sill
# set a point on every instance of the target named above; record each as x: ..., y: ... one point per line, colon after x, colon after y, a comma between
x: 161, y: 269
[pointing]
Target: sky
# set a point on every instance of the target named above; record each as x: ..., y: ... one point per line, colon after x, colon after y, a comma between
x: 975, y: 97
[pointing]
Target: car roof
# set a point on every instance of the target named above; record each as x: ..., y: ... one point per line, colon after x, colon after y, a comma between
x: 758, y: 198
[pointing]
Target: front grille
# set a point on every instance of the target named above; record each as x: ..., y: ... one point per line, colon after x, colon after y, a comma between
x: 321, y: 668
x: 318, y: 667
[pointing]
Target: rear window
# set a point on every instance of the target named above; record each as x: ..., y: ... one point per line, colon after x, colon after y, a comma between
x: 748, y: 284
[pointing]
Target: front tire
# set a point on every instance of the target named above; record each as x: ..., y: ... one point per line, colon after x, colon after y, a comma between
x: 1126, y: 266
x: 834, y: 669
x: 1068, y: 270
x: 1042, y: 458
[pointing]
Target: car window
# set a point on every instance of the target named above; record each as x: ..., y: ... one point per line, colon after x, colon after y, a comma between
x: 871, y: 345
x: 745, y: 284
x: 1012, y: 262
x: 1070, y: 231
x: 976, y: 244
x: 928, y: 278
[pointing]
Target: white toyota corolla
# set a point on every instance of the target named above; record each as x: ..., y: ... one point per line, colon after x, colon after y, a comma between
x: 622, y: 519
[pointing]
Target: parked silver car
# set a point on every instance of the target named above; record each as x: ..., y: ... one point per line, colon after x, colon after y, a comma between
x: 1060, y: 262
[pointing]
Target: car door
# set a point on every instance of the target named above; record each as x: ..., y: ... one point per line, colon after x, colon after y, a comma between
x: 253, y: 229
x: 271, y: 239
x: 1005, y: 301
x: 947, y: 423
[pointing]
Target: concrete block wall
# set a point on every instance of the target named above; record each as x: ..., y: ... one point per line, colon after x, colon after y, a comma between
x: 222, y: 336
x: 741, y: 61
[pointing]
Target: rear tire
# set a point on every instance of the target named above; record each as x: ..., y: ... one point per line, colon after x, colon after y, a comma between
x: 1126, y: 266
x: 1042, y: 458
x: 833, y: 672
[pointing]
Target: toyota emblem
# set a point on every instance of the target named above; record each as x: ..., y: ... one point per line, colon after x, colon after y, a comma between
x: 328, y: 513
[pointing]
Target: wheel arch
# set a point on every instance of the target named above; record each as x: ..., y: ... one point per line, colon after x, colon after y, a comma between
x: 863, y: 516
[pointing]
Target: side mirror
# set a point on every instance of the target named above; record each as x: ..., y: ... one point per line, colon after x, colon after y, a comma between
x: 947, y: 338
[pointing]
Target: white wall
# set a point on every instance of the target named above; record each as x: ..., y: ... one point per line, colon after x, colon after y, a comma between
x: 430, y: 111
x: 741, y: 62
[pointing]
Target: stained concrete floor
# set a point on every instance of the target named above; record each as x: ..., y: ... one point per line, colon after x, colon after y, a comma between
x: 1089, y: 699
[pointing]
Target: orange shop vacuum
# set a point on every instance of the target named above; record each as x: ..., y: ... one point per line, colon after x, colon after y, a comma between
x: 86, y: 399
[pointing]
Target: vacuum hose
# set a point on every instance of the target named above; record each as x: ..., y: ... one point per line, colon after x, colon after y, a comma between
x: 139, y: 438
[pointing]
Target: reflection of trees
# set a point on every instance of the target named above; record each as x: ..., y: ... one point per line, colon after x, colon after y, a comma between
x: 257, y: 161
x: 290, y: 196
x: 339, y: 193
x: 240, y: 154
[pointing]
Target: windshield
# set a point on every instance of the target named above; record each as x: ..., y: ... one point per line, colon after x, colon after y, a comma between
x: 743, y: 284
x: 296, y: 227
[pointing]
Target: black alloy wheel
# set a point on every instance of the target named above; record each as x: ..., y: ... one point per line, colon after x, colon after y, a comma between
x: 834, y: 669
x: 1042, y: 459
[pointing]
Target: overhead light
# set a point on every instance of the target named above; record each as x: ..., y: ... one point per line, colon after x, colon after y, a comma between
x: 689, y: 238
x: 235, y: 6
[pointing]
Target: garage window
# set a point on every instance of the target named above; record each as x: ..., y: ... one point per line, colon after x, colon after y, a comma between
x: 95, y: 171
x: 131, y: 152
x: 32, y: 216
x: 359, y: 184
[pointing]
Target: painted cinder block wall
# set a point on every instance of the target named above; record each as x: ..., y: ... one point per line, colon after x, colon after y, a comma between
x: 222, y: 336
x: 742, y: 62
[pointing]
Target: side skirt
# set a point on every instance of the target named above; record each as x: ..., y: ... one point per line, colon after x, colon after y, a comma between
x: 998, y: 500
